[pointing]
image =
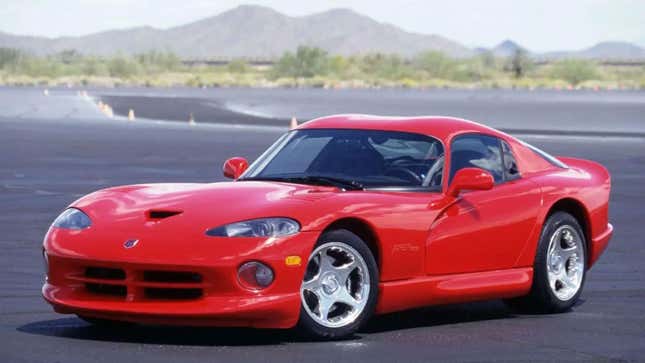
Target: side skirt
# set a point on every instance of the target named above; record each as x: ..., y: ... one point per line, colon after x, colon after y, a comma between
x: 456, y: 288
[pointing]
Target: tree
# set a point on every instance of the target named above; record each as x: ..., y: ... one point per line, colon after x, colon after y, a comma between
x: 122, y: 67
x: 10, y: 58
x: 92, y: 66
x: 520, y: 63
x: 67, y: 56
x: 307, y: 62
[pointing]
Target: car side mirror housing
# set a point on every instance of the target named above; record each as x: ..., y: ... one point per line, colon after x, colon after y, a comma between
x: 470, y: 179
x: 234, y: 167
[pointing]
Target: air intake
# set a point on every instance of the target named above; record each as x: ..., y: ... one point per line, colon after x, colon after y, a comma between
x: 154, y: 214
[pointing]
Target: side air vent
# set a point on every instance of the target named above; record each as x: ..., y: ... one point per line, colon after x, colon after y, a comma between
x: 155, y: 214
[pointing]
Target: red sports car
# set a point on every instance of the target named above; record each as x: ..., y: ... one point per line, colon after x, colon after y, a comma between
x: 342, y: 217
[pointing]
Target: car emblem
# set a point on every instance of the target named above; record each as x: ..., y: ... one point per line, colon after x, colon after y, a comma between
x: 130, y: 243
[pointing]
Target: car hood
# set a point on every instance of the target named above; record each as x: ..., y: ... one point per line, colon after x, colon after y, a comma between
x: 198, y: 206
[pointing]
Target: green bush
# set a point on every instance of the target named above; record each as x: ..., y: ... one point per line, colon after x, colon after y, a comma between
x: 10, y: 58
x: 313, y: 67
x: 92, y: 66
x: 386, y: 66
x: 123, y: 67
x: 237, y: 66
x: 436, y: 65
x: 155, y: 61
x: 307, y: 62
x: 575, y: 71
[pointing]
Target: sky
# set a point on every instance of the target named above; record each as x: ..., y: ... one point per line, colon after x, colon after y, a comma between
x: 539, y: 25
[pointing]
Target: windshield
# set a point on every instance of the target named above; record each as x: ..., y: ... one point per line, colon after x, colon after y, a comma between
x: 359, y: 158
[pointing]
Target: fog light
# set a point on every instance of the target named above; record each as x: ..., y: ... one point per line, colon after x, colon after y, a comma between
x: 255, y: 275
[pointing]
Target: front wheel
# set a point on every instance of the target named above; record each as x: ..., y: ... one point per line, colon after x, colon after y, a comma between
x: 340, y: 286
x: 560, y: 267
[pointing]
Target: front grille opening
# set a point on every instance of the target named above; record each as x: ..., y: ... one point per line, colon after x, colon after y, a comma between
x: 172, y: 294
x: 172, y: 276
x: 161, y: 214
x: 105, y: 273
x: 106, y: 289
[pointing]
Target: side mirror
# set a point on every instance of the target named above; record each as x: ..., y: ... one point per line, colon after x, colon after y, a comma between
x: 234, y: 167
x: 470, y: 179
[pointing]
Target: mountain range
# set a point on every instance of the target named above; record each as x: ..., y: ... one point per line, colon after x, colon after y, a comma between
x: 253, y: 31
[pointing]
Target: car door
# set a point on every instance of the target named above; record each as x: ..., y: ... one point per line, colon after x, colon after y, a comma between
x: 487, y: 229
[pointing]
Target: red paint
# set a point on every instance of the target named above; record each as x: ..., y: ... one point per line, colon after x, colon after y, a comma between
x: 457, y: 288
x: 454, y: 246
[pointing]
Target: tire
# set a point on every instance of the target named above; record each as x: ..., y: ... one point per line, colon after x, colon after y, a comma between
x: 551, y: 294
x: 343, y: 287
x: 105, y: 323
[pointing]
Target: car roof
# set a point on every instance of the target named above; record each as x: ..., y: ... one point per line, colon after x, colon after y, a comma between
x: 441, y: 127
x: 444, y: 128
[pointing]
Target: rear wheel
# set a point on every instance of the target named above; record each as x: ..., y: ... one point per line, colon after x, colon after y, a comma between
x: 340, y: 286
x: 560, y: 267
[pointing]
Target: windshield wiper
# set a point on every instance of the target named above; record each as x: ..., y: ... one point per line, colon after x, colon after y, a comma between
x: 339, y: 182
x: 315, y: 179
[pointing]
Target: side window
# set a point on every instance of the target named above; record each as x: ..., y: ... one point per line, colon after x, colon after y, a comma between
x: 477, y: 151
x: 511, y: 172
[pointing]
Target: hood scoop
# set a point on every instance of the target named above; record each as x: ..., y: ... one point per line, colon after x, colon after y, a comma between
x: 159, y: 214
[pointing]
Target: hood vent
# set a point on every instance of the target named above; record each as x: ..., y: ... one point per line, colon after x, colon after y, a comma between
x: 157, y: 214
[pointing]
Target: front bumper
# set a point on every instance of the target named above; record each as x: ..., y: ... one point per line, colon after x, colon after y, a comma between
x: 195, y: 286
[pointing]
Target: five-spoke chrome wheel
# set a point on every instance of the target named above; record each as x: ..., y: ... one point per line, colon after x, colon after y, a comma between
x: 559, y: 267
x: 336, y: 285
x: 565, y: 262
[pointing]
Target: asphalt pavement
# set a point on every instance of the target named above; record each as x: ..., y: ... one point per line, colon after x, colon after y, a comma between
x: 591, y: 112
x: 51, y: 156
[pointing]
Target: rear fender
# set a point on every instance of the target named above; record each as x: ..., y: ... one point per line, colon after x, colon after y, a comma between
x: 586, y: 183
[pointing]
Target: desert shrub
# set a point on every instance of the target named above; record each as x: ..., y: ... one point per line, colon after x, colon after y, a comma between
x: 237, y: 66
x: 435, y: 65
x: 123, y: 67
x: 575, y: 71
x: 307, y: 62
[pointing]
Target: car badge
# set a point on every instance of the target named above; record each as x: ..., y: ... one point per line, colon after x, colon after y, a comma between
x: 130, y: 243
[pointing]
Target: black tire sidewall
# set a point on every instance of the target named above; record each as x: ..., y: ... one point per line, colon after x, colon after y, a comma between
x: 541, y: 291
x: 314, y: 330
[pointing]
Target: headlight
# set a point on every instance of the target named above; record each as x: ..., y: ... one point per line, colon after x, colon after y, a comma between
x: 72, y: 218
x: 263, y: 227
